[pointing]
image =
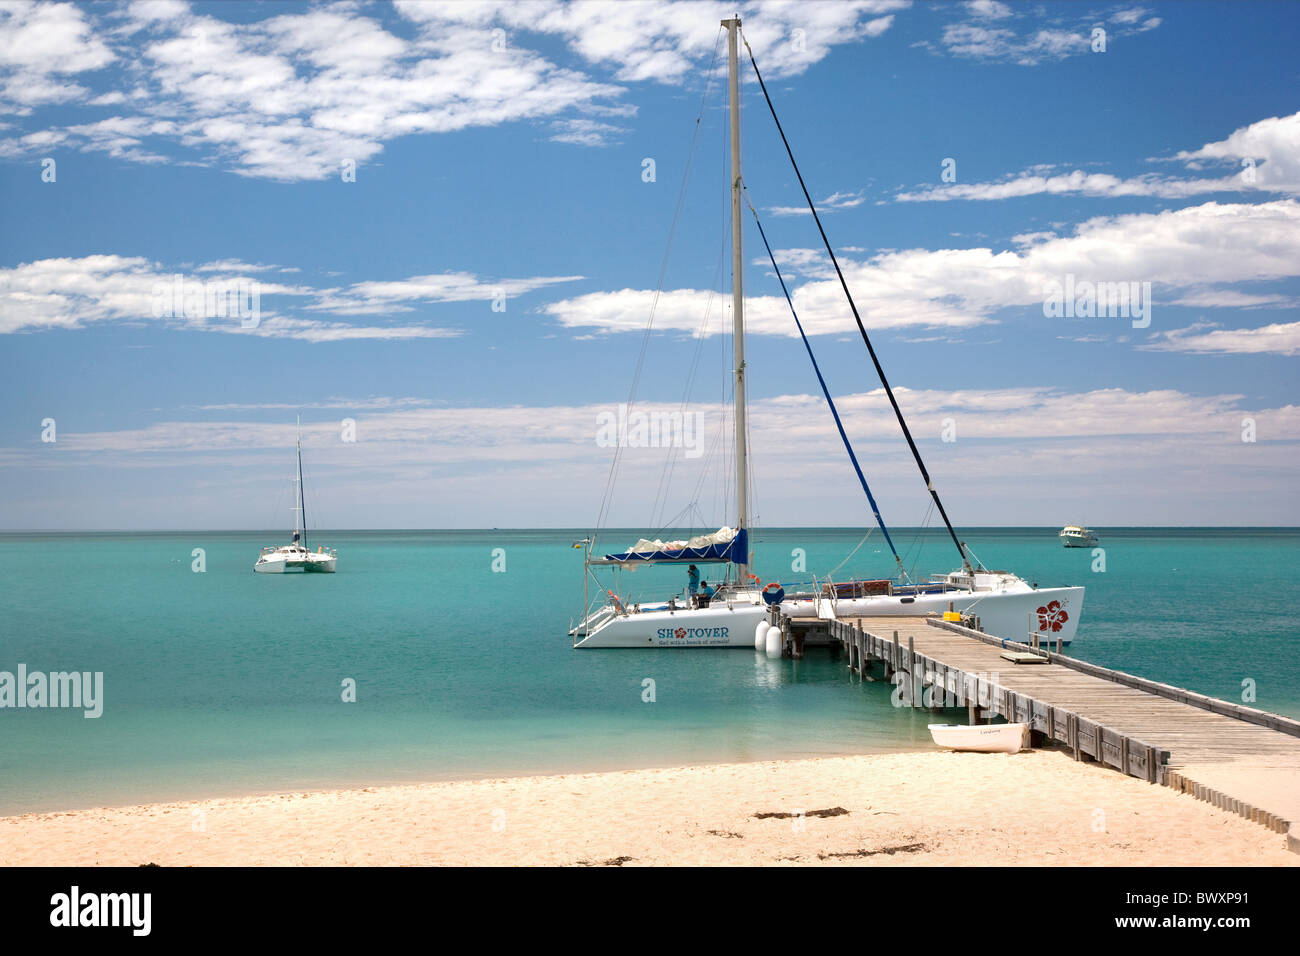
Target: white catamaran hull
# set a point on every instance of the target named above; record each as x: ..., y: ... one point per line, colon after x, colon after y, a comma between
x: 1012, y: 614
x: 311, y: 563
x: 718, y: 625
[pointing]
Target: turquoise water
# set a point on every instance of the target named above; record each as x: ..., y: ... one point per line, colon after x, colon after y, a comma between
x: 229, y: 682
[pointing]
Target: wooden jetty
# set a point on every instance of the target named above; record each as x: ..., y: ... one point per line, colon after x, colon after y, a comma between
x: 1240, y: 759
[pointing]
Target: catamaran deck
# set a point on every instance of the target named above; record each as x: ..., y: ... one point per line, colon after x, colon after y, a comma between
x: 1240, y: 759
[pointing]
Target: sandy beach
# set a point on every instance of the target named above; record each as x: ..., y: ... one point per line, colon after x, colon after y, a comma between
x: 927, y: 809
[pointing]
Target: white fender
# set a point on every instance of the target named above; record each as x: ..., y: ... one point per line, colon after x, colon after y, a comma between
x: 773, y: 642
x: 760, y: 635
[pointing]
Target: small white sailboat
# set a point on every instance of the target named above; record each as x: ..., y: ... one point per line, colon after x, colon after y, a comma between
x: 295, y: 558
x: 1077, y: 536
x: 982, y: 738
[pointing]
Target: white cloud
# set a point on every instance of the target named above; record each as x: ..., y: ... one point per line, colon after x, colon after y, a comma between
x: 1280, y: 338
x: 383, y: 297
x: 992, y: 31
x: 355, y: 404
x: 838, y: 200
x: 999, y: 43
x: 1230, y: 299
x: 1272, y: 147
x: 142, y: 12
x: 234, y: 265
x: 296, y: 95
x: 469, y: 432
x: 1273, y: 144
x: 585, y: 132
x: 311, y: 330
x: 73, y: 293
x: 40, y: 45
x: 668, y: 40
x: 1195, y: 251
x: 988, y: 9
x: 810, y: 263
x: 1019, y: 450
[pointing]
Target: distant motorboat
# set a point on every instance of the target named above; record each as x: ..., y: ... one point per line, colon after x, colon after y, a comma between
x: 295, y: 558
x: 982, y: 738
x: 1077, y: 536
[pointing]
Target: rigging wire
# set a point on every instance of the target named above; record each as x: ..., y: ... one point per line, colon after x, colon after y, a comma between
x: 675, y: 449
x: 898, y: 412
x: 836, y: 569
x: 607, y: 499
x: 918, y: 543
x: 862, y: 479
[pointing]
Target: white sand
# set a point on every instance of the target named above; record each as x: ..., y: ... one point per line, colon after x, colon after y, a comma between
x: 1037, y: 807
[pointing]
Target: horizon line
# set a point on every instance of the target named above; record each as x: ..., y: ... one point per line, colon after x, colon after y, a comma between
x: 632, y: 528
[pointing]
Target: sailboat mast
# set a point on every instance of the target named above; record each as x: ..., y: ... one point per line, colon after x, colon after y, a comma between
x: 302, y: 498
x: 737, y: 289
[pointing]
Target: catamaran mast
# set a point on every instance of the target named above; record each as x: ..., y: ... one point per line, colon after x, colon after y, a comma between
x: 737, y: 289
x: 300, y: 513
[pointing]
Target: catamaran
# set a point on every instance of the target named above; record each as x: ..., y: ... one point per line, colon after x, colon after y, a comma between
x: 295, y: 558
x: 1007, y: 605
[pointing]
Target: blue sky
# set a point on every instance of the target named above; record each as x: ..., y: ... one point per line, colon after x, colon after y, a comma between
x: 499, y: 153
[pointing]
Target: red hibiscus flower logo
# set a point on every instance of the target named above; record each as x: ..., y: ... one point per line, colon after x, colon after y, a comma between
x: 679, y: 633
x: 1052, y: 617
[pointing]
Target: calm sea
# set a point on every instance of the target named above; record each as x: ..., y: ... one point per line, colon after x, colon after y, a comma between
x: 226, y: 682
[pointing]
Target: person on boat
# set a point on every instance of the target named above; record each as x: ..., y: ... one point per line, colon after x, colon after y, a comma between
x: 706, y: 594
x: 692, y: 583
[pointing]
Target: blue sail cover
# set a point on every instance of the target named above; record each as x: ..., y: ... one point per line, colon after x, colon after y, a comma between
x: 736, y: 551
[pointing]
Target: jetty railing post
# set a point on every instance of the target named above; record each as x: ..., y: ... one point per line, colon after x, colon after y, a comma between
x: 911, y: 673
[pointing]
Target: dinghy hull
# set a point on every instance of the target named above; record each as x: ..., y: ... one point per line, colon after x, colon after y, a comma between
x: 982, y: 738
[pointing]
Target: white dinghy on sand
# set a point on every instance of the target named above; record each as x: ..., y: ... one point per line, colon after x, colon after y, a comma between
x: 982, y: 738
